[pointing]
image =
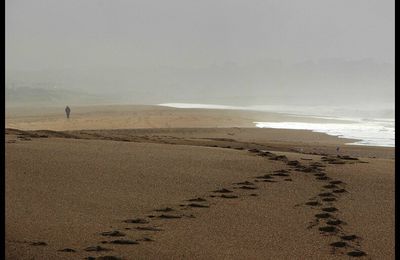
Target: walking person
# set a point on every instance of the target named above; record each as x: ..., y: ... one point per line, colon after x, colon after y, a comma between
x: 67, y: 111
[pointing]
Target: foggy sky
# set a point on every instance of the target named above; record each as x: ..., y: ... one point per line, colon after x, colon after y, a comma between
x: 81, y: 34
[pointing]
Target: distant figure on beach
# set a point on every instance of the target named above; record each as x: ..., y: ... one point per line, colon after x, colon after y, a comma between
x: 337, y: 149
x: 67, y: 111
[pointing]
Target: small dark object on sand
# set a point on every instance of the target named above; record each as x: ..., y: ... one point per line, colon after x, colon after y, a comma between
x: 347, y: 157
x: 329, y: 199
x: 336, y: 162
x: 317, y: 164
x: 265, y: 154
x: 293, y: 163
x: 279, y: 158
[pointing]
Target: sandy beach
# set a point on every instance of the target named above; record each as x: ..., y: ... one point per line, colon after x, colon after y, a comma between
x: 148, y: 182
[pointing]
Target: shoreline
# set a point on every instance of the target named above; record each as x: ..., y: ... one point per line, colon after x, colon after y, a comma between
x: 147, y: 116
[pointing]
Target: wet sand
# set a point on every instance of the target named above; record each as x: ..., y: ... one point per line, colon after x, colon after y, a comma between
x: 194, y: 193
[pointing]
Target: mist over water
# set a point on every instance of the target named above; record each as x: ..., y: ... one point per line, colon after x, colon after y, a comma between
x: 331, y: 58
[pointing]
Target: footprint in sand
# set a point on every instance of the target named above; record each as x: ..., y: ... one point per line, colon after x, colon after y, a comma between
x: 330, y: 209
x: 198, y: 200
x: 329, y: 199
x: 339, y: 244
x: 326, y: 194
x: 268, y: 181
x: 336, y: 182
x: 335, y: 222
x: 349, y: 237
x: 107, y: 257
x: 229, y: 196
x: 244, y: 183
x: 196, y: 205
x: 96, y: 249
x: 39, y: 243
x: 68, y: 250
x: 168, y: 216
x: 149, y: 228
x: 281, y: 174
x: 323, y: 215
x: 167, y: 209
x: 330, y: 186
x: 247, y: 187
x: 313, y: 203
x: 328, y: 229
x: 114, y: 233
x: 265, y: 177
x: 339, y: 191
x: 136, y: 221
x: 124, y: 242
x: 223, y: 191
x: 356, y: 253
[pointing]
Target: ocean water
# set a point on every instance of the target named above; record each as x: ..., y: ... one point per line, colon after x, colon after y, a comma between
x: 373, y: 127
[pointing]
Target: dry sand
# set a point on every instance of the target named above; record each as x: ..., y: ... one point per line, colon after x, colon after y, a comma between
x: 66, y: 188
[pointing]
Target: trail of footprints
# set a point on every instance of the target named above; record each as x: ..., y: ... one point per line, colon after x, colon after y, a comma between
x: 327, y: 220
